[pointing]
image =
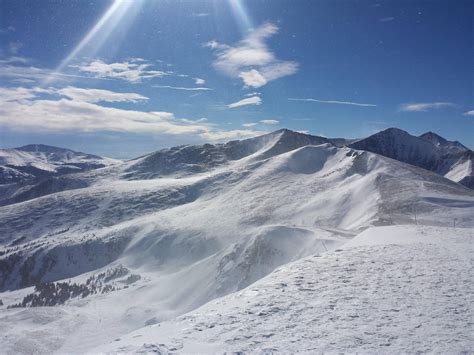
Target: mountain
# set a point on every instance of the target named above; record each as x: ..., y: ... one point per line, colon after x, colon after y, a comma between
x: 35, y: 170
x: 37, y: 161
x: 442, y: 143
x: 429, y: 151
x: 199, y: 158
x: 150, y: 239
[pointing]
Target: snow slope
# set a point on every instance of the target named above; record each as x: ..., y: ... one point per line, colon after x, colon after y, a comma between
x: 40, y: 161
x: 397, y: 289
x: 208, y: 225
x: 429, y: 151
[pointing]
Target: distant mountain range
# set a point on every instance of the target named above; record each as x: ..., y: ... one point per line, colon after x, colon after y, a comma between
x: 35, y: 161
x: 428, y: 151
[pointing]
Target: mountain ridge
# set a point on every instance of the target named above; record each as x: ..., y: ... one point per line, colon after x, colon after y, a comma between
x: 208, y: 227
x: 429, y: 151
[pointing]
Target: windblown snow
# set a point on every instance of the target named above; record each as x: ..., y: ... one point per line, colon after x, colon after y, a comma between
x: 357, y: 240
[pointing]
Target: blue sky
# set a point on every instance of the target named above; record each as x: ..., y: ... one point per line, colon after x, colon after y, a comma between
x: 123, y: 78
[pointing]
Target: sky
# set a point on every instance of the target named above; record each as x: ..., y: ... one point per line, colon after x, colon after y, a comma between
x: 122, y: 78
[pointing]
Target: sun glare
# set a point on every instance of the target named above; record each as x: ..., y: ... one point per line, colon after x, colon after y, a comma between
x: 98, y: 34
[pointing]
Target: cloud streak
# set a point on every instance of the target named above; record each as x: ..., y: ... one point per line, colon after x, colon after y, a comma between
x: 425, y: 106
x: 269, y: 122
x: 334, y: 102
x: 254, y: 100
x: 181, y: 88
x: 97, y: 95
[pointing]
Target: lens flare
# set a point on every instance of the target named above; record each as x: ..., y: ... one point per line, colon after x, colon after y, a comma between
x: 98, y: 34
x: 241, y: 15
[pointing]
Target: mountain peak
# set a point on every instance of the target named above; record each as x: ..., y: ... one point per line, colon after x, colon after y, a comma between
x: 42, y: 148
x: 394, y: 131
x: 441, y: 142
x: 55, y: 151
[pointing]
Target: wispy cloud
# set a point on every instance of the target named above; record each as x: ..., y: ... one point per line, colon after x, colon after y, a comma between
x: 255, y: 93
x: 251, y: 60
x: 334, y: 102
x: 469, y: 113
x: 223, y: 135
x: 133, y: 71
x: 387, y: 19
x: 75, y: 111
x: 16, y: 68
x: 199, y: 81
x: 14, y: 60
x: 97, y: 95
x: 254, y: 100
x: 270, y: 122
x: 181, y: 88
x: 200, y: 14
x: 14, y: 47
x: 425, y: 106
x: 7, y: 29
x: 250, y: 124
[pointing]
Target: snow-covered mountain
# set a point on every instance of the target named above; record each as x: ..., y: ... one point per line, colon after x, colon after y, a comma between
x: 36, y: 170
x: 137, y: 243
x: 428, y: 151
x: 35, y: 161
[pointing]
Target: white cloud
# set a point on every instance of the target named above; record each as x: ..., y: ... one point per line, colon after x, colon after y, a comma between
x: 34, y: 73
x: 334, y: 102
x: 74, y: 93
x: 255, y: 93
x: 253, y: 78
x: 133, y: 71
x: 199, y: 81
x: 97, y: 95
x: 469, y: 113
x: 14, y: 60
x: 270, y: 122
x: 188, y: 120
x: 254, y: 100
x: 181, y: 88
x: 425, y: 106
x: 279, y: 70
x: 250, y: 124
x: 201, y: 14
x: 251, y: 60
x: 15, y: 94
x: 215, y: 45
x: 230, y: 135
x: 26, y: 109
x: 387, y: 19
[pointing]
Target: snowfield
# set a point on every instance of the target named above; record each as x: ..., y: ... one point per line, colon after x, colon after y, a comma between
x: 400, y: 289
x: 283, y: 242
